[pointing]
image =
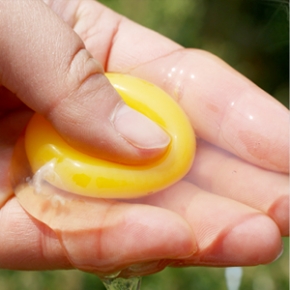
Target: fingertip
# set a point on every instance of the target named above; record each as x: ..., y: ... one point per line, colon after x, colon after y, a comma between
x: 129, y: 235
x: 279, y: 211
x: 252, y: 242
x: 168, y: 235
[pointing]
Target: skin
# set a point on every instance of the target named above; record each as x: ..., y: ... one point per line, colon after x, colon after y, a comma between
x: 232, y: 207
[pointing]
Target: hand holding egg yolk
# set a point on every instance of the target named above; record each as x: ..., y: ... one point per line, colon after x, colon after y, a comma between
x: 68, y: 169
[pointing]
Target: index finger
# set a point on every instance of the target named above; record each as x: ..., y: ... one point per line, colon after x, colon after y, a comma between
x: 224, y: 107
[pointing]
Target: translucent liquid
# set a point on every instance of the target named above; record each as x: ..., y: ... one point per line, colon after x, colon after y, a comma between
x: 133, y: 283
x: 233, y: 277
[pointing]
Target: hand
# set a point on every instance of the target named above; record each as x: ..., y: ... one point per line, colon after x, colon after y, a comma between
x: 232, y: 207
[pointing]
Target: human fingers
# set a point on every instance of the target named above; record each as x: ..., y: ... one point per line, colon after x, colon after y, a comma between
x: 53, y: 73
x: 228, y: 233
x: 225, y: 108
x: 116, y: 235
x: 26, y: 243
x: 107, y: 237
x: 220, y: 172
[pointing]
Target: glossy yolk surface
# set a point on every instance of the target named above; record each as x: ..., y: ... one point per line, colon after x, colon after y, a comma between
x: 70, y: 170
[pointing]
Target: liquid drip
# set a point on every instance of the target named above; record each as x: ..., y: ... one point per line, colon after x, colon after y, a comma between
x: 233, y: 277
x: 133, y: 283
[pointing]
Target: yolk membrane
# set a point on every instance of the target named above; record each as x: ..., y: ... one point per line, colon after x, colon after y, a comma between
x: 80, y: 173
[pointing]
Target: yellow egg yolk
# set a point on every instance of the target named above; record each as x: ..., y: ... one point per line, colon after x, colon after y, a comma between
x: 68, y: 169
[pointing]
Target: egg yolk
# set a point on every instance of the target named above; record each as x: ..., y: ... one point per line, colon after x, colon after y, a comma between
x: 59, y: 164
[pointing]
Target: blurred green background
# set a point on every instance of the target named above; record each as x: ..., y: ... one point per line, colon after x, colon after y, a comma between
x: 253, y: 37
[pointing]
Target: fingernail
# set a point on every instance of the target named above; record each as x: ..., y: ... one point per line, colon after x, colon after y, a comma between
x: 138, y: 129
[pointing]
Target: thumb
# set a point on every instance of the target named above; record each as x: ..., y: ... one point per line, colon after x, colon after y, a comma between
x: 45, y: 63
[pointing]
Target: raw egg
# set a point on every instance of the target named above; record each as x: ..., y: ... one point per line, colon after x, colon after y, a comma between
x: 53, y: 160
